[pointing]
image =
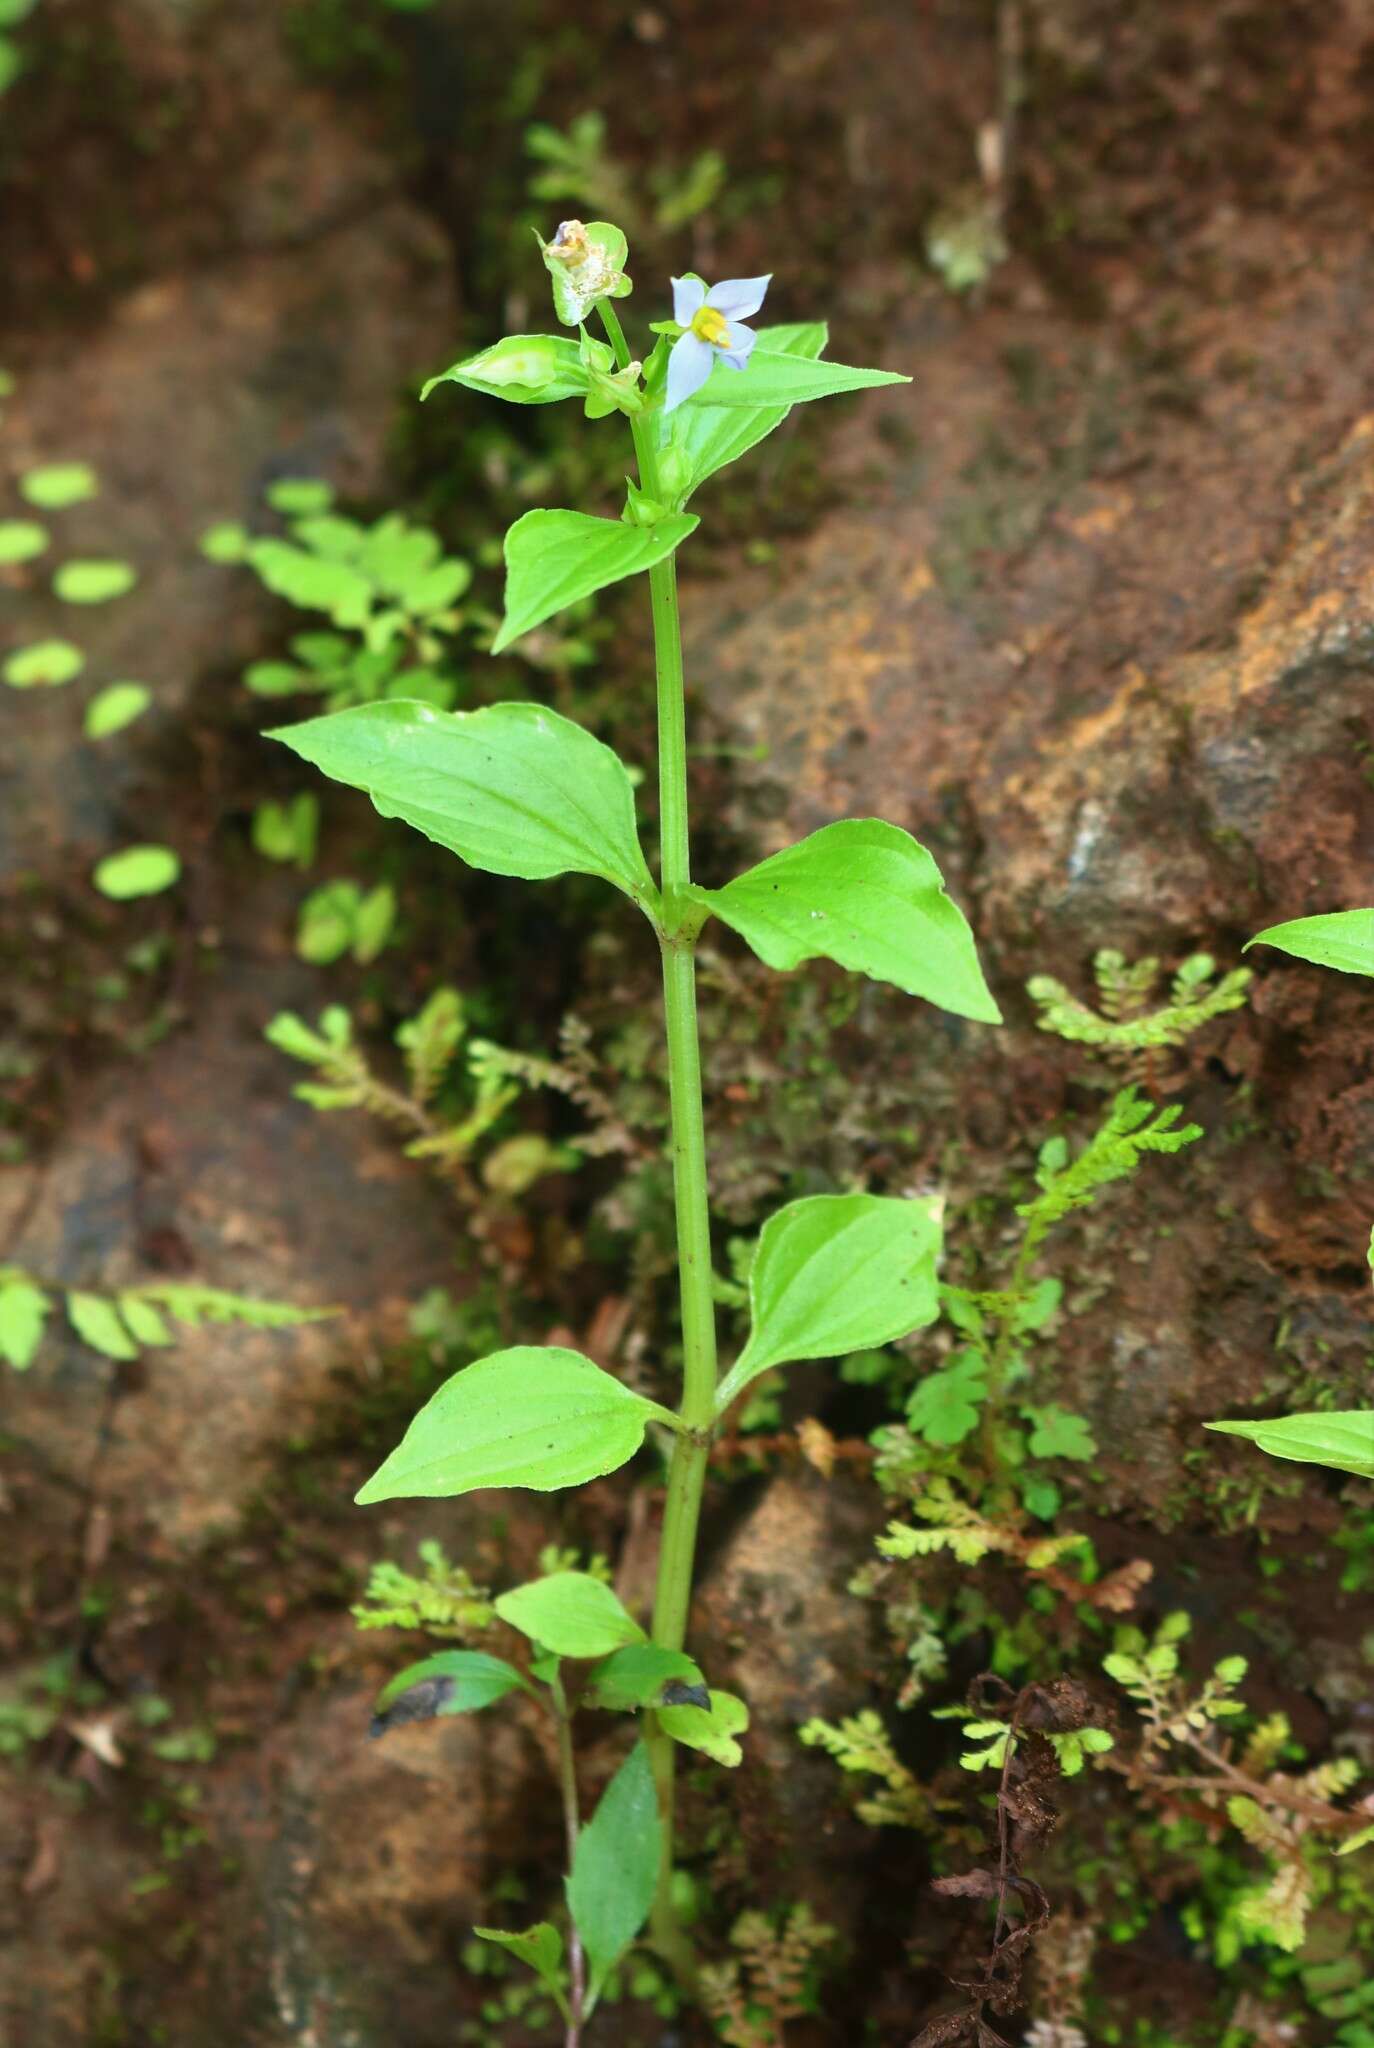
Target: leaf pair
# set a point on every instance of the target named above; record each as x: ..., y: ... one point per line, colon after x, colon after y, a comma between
x: 833, y: 1274
x: 519, y: 790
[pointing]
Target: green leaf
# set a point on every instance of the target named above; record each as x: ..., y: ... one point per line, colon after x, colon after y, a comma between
x: 326, y: 922
x: 1059, y: 1433
x: 114, y: 708
x: 23, y: 1307
x: 527, y: 369
x: 290, y: 831
x: 97, y: 1322
x: 865, y: 894
x: 1343, y: 939
x: 1342, y: 1439
x: 57, y: 484
x: 697, y: 440
x: 555, y: 558
x: 570, y: 1613
x: 712, y: 1729
x: 540, y: 1947
x: 451, y: 1682
x: 43, y: 665
x: 276, y: 679
x: 779, y: 379
x: 535, y: 1416
x: 945, y: 1406
x: 137, y: 871
x: 837, y: 1273
x: 313, y: 582
x: 143, y: 1321
x: 21, y: 540
x: 374, y: 923
x: 294, y: 495
x: 513, y: 789
x: 94, y: 582
x: 635, y: 1677
x: 226, y: 542
x: 615, y: 1867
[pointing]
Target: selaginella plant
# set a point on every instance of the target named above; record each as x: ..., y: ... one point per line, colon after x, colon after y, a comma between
x: 516, y: 789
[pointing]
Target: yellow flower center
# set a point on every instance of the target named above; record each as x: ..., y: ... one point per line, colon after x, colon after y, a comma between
x: 709, y: 325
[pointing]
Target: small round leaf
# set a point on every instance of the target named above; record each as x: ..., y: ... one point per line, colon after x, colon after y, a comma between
x: 43, y: 664
x: 93, y: 582
x: 56, y: 484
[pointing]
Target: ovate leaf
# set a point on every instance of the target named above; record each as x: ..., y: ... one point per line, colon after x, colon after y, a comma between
x: 137, y: 871
x: 23, y: 1307
x: 638, y: 1675
x: 21, y: 540
x: 1343, y: 939
x: 118, y: 705
x: 555, y: 558
x: 615, y: 1867
x: 226, y: 542
x: 97, y: 1322
x: 451, y: 1682
x: 570, y: 1613
x: 778, y: 379
x: 697, y: 440
x: 312, y: 581
x: 535, y: 1416
x: 94, y: 582
x: 514, y: 789
x: 1343, y: 1439
x: 57, y: 484
x: 837, y: 1273
x: 540, y: 1947
x: 43, y: 665
x: 865, y: 894
x: 711, y: 1729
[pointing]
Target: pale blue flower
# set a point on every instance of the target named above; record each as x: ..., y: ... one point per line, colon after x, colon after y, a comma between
x: 714, y: 334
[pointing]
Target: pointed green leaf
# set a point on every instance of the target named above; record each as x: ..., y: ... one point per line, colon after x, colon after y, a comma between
x: 635, y: 1677
x: 514, y: 789
x: 527, y: 369
x: 96, y: 1321
x: 451, y: 1682
x: 555, y: 558
x: 615, y: 1867
x: 23, y: 1307
x: 711, y: 1729
x: 1342, y: 1439
x: 837, y: 1273
x: 541, y: 1948
x: 143, y: 1321
x: 865, y: 894
x: 570, y: 1613
x: 697, y: 440
x: 770, y: 379
x: 1343, y: 939
x: 535, y: 1416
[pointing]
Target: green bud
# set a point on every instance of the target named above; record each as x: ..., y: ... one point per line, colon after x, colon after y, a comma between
x: 586, y: 263
x: 528, y: 369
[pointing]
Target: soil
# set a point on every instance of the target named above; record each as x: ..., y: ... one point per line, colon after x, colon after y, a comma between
x: 1089, y: 607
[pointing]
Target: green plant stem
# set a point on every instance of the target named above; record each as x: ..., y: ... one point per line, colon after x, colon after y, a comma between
x: 567, y: 1782
x: 999, y: 1357
x: 691, y: 1450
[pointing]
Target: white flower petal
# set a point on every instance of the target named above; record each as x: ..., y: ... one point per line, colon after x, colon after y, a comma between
x: 689, y: 365
x: 689, y: 295
x: 742, y: 341
x: 738, y: 297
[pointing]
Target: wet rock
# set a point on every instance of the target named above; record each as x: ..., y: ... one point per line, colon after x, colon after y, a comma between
x: 198, y: 1163
x: 366, y: 1863
x: 774, y: 1612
